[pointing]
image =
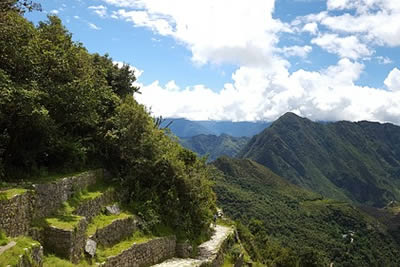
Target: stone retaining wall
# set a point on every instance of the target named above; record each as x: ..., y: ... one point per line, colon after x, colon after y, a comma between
x: 33, y: 257
x: 93, y: 207
x: 50, y: 196
x: 16, y: 214
x: 68, y: 244
x: 145, y: 254
x: 115, y: 232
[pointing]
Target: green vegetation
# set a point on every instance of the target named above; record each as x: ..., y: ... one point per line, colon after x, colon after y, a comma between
x: 22, y: 247
x: 10, y: 193
x: 53, y: 261
x: 3, y: 238
x: 357, y: 162
x: 281, y: 224
x: 63, y: 110
x: 214, y: 146
x: 137, y: 238
x: 103, y: 220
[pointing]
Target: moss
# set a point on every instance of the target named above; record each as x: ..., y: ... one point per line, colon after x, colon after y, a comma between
x: 228, y: 261
x: 103, y: 220
x: 66, y: 222
x: 11, y: 256
x: 54, y: 261
x: 137, y: 238
x: 10, y: 193
x: 3, y: 238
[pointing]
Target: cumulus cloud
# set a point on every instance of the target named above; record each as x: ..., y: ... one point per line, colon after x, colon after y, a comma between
x: 349, y: 47
x: 258, y: 94
x: 99, y: 10
x: 214, y: 31
x: 94, y: 26
x: 262, y: 87
x: 393, y: 80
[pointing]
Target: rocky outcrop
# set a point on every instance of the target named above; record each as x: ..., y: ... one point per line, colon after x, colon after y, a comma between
x: 145, y: 254
x: 33, y: 257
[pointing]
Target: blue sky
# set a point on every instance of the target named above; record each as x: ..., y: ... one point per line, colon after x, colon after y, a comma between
x: 249, y: 60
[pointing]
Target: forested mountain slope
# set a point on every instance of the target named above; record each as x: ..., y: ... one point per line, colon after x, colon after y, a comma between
x: 357, y: 161
x: 214, y: 146
x: 290, y: 225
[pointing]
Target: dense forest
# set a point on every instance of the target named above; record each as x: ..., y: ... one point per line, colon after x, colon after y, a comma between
x: 63, y: 109
x: 284, y: 225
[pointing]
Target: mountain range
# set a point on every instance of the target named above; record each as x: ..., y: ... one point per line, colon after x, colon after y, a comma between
x: 187, y: 128
x: 353, y: 161
x: 214, y: 146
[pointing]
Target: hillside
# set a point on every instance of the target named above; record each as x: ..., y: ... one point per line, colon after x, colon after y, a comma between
x: 296, y: 224
x: 214, y: 146
x: 187, y: 128
x: 359, y: 162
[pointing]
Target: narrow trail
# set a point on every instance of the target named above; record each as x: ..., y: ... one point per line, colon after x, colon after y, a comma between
x: 207, y: 251
x: 7, y: 247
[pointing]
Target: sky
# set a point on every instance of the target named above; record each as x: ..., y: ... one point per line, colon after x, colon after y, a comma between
x: 250, y: 60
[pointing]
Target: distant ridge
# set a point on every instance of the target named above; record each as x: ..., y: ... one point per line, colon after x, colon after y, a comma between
x: 187, y: 128
x: 356, y: 161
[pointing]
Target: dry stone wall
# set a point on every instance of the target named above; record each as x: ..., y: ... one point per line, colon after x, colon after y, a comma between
x: 50, y: 196
x: 94, y: 207
x: 115, y: 232
x: 68, y: 244
x: 16, y: 214
x: 145, y: 254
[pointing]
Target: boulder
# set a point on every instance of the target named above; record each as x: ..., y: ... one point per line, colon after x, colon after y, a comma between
x: 114, y: 209
x: 90, y: 247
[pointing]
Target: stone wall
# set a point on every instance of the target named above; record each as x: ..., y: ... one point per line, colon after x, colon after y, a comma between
x: 68, y: 244
x: 33, y: 257
x: 50, y: 196
x: 16, y: 214
x: 115, y: 232
x: 145, y: 254
x: 93, y: 207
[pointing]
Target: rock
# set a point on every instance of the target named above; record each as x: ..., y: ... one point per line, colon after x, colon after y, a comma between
x: 90, y: 247
x: 114, y: 209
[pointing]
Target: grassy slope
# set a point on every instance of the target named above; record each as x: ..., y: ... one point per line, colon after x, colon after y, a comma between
x: 214, y: 146
x: 358, y: 162
x: 300, y: 219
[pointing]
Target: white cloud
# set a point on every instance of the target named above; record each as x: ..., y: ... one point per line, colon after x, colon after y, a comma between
x: 99, y: 10
x: 258, y: 94
x: 215, y: 31
x: 345, y: 47
x: 392, y: 81
x: 300, y: 51
x: 311, y: 28
x: 93, y: 26
x: 138, y: 72
x: 376, y: 21
x: 54, y: 11
x: 76, y: 17
x: 262, y: 88
x: 384, y: 60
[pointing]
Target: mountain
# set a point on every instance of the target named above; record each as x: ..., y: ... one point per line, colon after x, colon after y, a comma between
x: 298, y: 225
x: 186, y: 128
x: 354, y: 161
x: 214, y: 146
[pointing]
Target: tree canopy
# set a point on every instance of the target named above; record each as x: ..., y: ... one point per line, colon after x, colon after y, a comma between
x: 64, y: 109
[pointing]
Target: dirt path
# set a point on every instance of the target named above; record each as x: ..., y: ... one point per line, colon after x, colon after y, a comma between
x: 6, y: 247
x: 207, y: 251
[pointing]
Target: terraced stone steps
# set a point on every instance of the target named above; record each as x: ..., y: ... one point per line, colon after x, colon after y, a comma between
x: 108, y: 230
x: 64, y: 233
x: 21, y: 251
x: 138, y: 253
